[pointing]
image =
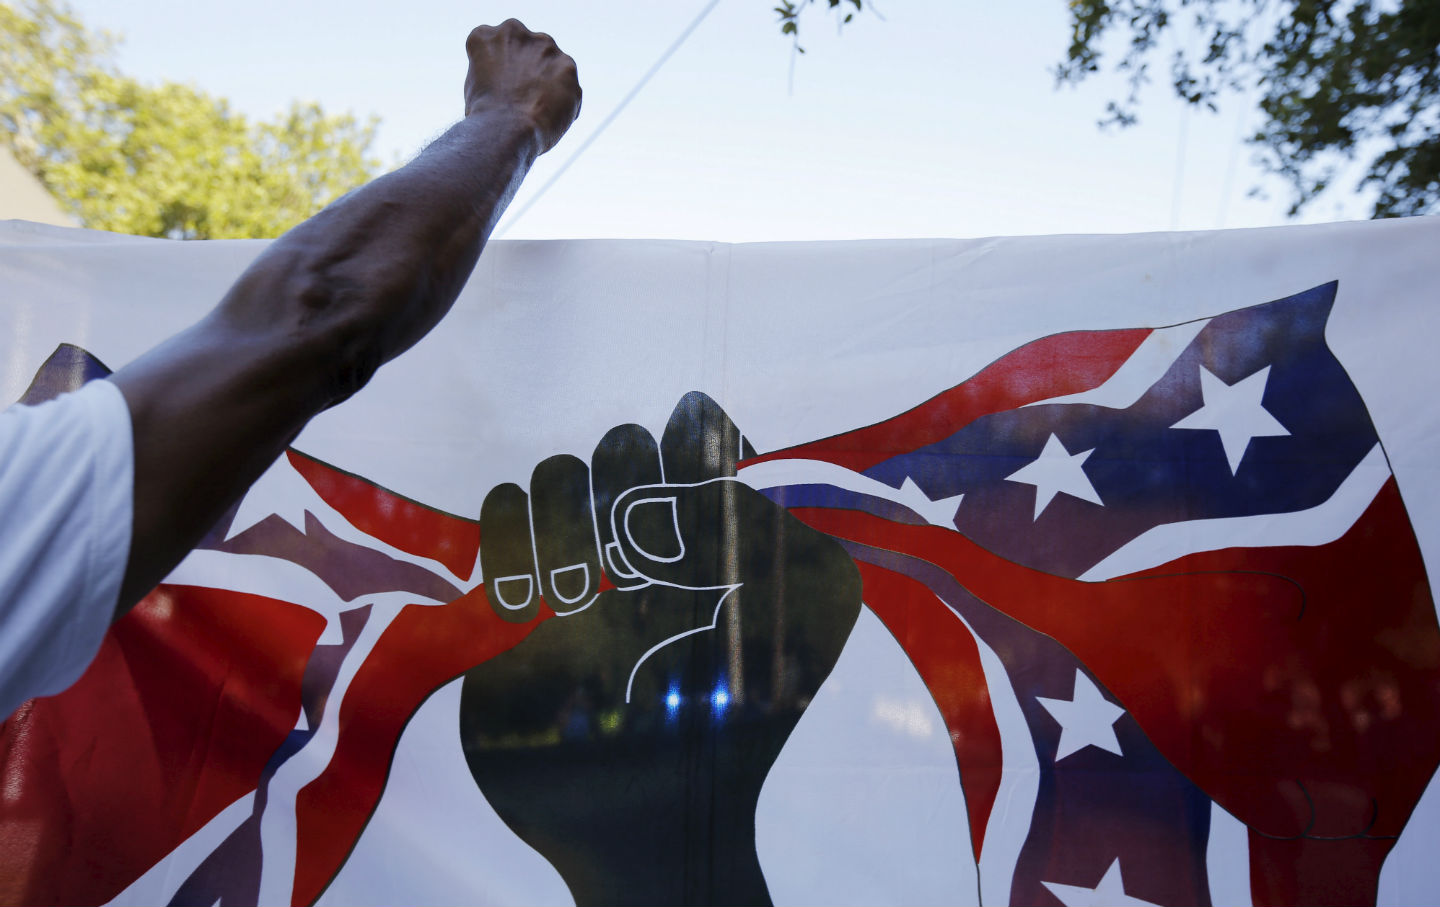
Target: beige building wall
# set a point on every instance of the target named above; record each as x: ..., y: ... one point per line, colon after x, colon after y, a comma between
x: 23, y: 198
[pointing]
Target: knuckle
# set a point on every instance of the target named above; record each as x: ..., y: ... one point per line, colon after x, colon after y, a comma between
x: 479, y: 36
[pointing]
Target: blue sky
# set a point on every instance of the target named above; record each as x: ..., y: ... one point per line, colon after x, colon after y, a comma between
x: 942, y: 120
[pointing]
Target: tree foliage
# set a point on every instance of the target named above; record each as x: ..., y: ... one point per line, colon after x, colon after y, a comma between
x: 161, y: 160
x: 789, y: 14
x: 1338, y: 81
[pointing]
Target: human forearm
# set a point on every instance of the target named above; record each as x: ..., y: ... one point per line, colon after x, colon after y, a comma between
x: 365, y: 279
x: 310, y: 321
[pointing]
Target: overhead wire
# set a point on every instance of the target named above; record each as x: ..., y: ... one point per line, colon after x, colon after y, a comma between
x: 609, y: 118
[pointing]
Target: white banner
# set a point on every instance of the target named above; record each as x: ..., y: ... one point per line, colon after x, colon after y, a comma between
x: 1140, y: 525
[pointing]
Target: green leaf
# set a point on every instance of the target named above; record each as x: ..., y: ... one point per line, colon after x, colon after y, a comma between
x: 1336, y: 79
x: 167, y: 159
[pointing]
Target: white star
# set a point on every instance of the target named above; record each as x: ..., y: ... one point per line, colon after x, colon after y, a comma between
x: 939, y: 512
x: 1236, y: 412
x: 1110, y: 891
x: 1087, y: 718
x: 1057, y: 470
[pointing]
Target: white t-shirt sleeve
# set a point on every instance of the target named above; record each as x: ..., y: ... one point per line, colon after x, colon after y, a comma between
x: 66, y: 489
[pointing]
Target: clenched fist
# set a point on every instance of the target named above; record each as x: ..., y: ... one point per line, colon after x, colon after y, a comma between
x: 514, y: 68
x: 627, y: 738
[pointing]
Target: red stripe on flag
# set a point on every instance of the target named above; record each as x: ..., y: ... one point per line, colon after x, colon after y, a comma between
x: 424, y: 648
x: 394, y: 520
x: 1049, y: 367
x: 947, y: 659
x: 189, y: 696
x: 1295, y: 685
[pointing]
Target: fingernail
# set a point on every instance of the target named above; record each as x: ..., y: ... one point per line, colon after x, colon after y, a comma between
x: 576, y: 577
x: 653, y: 528
x: 513, y: 592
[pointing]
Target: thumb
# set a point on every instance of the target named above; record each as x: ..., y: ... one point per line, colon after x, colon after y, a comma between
x: 688, y: 535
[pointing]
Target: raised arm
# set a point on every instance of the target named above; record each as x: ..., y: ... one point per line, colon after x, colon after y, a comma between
x: 329, y: 302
